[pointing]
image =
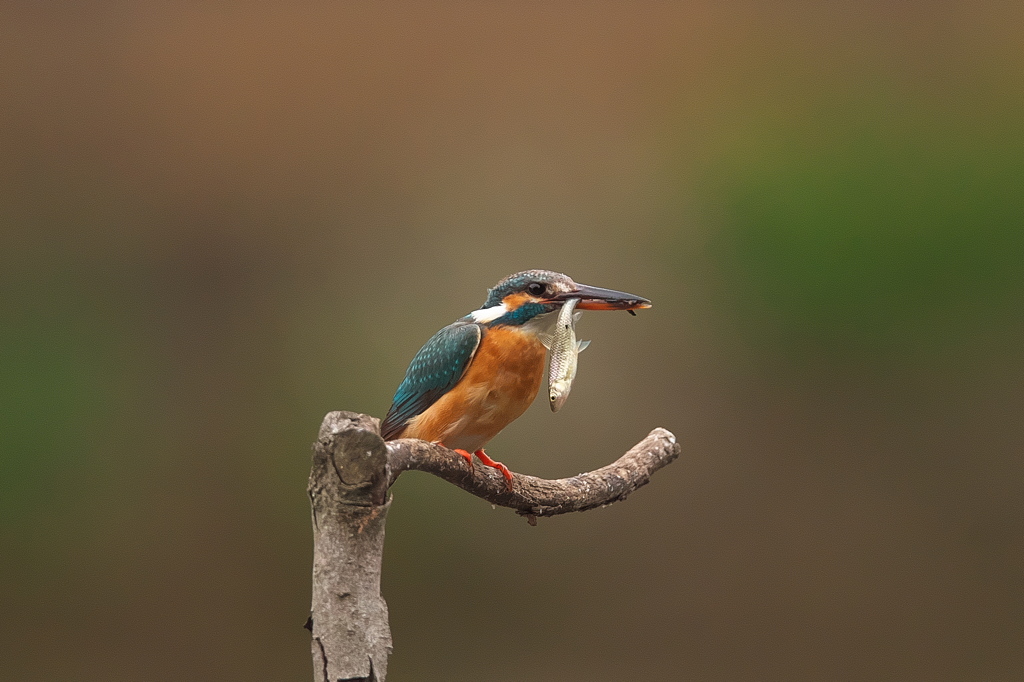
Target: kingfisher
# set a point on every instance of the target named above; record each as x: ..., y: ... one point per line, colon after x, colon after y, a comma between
x: 480, y: 373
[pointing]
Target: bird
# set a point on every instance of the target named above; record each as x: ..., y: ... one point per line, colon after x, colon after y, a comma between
x: 480, y: 373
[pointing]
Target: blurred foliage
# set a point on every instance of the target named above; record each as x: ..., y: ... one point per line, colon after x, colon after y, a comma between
x: 58, y: 373
x: 861, y: 235
x: 216, y: 224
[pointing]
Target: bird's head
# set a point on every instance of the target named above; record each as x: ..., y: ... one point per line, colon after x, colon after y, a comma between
x: 524, y: 296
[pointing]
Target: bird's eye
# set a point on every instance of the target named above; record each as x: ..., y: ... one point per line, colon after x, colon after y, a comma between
x: 536, y: 288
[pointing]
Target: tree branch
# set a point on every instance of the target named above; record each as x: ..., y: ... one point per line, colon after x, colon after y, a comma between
x: 348, y: 483
x: 531, y: 496
x: 347, y: 491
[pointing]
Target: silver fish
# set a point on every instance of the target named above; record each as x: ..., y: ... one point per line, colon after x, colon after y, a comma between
x: 564, y: 349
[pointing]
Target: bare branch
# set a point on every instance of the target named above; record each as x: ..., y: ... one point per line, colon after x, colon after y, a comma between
x: 347, y: 490
x: 352, y: 470
x: 531, y: 496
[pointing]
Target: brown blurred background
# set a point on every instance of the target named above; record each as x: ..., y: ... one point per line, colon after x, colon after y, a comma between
x: 219, y: 223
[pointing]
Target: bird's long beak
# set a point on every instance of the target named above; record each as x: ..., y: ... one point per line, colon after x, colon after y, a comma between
x: 596, y: 298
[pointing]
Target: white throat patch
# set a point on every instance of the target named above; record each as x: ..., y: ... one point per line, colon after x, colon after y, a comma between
x: 489, y: 314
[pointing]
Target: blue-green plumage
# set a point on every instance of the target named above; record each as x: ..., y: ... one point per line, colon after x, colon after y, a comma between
x: 523, y: 314
x: 520, y: 300
x: 442, y: 360
x: 518, y: 282
x: 437, y: 367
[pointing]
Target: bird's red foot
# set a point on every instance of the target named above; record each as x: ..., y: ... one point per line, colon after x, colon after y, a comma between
x: 466, y: 455
x: 487, y: 461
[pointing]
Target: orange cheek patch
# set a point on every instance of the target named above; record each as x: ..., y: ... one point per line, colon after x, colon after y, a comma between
x: 514, y: 301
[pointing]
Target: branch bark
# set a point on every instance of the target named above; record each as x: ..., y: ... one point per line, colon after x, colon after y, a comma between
x: 352, y: 470
x: 531, y: 496
x: 347, y: 494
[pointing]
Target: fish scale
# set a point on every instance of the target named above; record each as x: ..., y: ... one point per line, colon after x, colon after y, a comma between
x: 564, y: 351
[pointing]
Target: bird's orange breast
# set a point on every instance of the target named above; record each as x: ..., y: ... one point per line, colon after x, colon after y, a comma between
x: 497, y: 387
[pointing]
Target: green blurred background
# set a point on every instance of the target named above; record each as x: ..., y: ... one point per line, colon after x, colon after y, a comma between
x: 219, y: 223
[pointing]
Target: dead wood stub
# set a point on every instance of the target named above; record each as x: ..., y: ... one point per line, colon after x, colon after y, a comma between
x: 351, y: 472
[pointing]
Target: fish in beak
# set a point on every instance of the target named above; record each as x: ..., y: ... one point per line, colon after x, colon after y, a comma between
x: 596, y: 298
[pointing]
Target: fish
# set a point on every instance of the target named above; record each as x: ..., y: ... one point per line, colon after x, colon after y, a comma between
x: 564, y: 349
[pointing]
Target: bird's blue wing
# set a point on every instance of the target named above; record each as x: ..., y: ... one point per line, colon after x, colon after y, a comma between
x: 433, y: 372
